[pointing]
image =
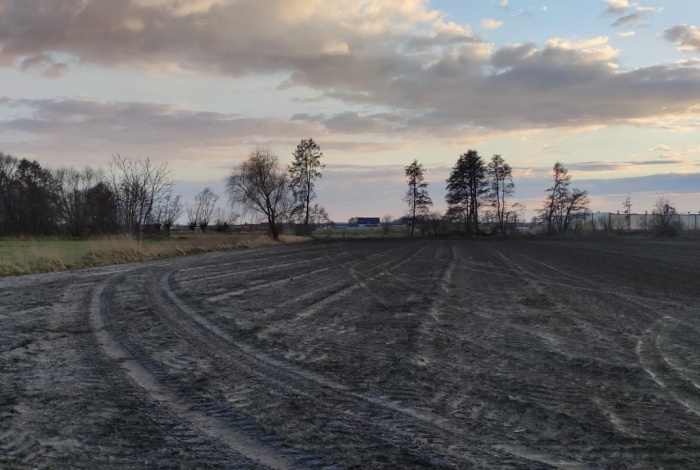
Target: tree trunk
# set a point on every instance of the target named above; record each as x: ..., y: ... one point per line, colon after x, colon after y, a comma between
x: 272, y: 222
x: 306, y: 219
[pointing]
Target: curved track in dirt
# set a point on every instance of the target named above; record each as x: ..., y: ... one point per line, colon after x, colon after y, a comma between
x: 359, y: 354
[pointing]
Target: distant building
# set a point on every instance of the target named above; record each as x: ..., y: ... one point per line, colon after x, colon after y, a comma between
x: 364, y: 222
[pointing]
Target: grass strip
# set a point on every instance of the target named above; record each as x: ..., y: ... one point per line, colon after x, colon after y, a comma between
x: 27, y: 256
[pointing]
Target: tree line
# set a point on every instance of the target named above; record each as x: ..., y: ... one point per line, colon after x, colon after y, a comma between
x: 129, y: 195
x: 479, y: 194
x: 136, y: 196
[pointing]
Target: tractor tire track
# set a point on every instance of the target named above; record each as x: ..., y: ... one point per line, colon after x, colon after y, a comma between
x: 202, y: 416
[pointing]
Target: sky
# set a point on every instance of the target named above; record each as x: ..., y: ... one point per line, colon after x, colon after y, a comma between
x: 610, y: 88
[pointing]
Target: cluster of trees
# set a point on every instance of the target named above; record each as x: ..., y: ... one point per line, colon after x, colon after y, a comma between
x: 136, y: 196
x: 479, y: 194
x: 262, y: 186
x: 128, y: 197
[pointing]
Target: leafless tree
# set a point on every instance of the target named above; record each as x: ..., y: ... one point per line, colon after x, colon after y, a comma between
x: 434, y: 223
x: 169, y: 210
x: 205, y: 202
x: 192, y: 215
x: 514, y: 214
x: 318, y: 215
x: 386, y: 224
x: 627, y: 210
x: 563, y: 206
x: 72, y: 197
x: 260, y: 185
x: 139, y: 186
x: 224, y: 219
x: 663, y: 221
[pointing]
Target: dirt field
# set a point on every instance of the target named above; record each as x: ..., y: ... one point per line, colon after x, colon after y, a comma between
x: 360, y: 354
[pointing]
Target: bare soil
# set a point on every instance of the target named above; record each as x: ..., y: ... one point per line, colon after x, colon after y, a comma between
x: 360, y: 354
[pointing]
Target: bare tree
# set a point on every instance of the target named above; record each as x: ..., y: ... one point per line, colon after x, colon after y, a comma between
x: 304, y: 171
x: 223, y: 218
x: 139, y: 186
x: 501, y: 188
x: 192, y: 215
x: 169, y: 210
x: 318, y: 215
x: 627, y: 210
x: 575, y: 209
x: 434, y: 223
x: 514, y: 214
x: 205, y: 202
x: 386, y: 224
x: 260, y: 185
x: 663, y: 222
x: 563, y: 206
x: 416, y: 196
x: 72, y: 197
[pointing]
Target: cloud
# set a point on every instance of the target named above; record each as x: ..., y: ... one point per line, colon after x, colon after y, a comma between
x: 365, y: 147
x: 227, y: 37
x: 626, y: 34
x: 43, y: 64
x: 686, y: 37
x: 637, y: 14
x: 79, y: 129
x: 410, y: 72
x: 617, y: 7
x: 501, y: 3
x: 670, y: 152
x: 663, y: 183
x: 694, y: 62
x: 522, y: 13
x: 636, y: 17
x: 623, y: 166
x: 490, y: 23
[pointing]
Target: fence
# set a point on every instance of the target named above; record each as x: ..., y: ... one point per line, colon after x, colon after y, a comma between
x: 638, y: 222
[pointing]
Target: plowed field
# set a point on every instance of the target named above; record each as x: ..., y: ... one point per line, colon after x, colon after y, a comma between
x: 360, y: 354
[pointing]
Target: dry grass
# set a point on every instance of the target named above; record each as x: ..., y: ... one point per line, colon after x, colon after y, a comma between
x: 25, y: 256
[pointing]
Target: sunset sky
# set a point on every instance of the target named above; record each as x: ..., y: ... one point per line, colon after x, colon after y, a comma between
x: 609, y: 88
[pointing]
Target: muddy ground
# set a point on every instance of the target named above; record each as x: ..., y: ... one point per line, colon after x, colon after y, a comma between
x: 360, y: 354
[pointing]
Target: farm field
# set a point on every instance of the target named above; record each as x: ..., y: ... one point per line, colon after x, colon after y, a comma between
x: 522, y: 354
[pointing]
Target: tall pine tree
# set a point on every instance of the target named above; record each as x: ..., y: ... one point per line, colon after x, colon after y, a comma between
x: 467, y: 188
x: 417, y: 193
x: 304, y: 171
